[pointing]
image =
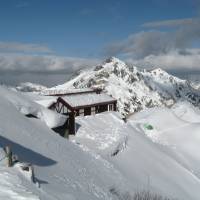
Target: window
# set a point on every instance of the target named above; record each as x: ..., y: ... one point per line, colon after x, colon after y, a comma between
x: 65, y: 109
x: 110, y: 107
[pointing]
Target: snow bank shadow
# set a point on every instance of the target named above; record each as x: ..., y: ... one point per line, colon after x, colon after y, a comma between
x: 77, y: 125
x: 26, y: 155
x: 121, y: 146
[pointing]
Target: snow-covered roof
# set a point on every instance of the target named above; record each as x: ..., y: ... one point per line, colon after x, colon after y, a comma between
x: 46, y: 102
x: 61, y: 91
x: 84, y: 99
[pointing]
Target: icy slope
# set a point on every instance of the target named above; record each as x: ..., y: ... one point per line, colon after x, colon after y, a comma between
x: 147, y: 158
x: 63, y: 170
x: 134, y: 88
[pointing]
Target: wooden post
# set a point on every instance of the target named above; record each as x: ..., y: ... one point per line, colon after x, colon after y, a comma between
x: 32, y: 173
x: 115, y: 106
x: 71, y: 123
x: 8, y: 152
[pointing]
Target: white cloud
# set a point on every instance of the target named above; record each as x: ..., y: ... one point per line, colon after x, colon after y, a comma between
x: 172, y: 61
x: 171, y: 23
x: 42, y: 63
x: 23, y: 47
x: 21, y: 62
x: 156, y: 42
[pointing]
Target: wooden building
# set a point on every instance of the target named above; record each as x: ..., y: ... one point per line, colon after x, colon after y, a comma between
x: 81, y: 103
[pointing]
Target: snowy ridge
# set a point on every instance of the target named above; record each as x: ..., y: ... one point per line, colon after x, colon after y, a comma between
x: 134, y: 89
x: 30, y: 87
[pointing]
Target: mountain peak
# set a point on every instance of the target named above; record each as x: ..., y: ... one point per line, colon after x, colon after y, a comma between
x: 112, y: 60
x: 133, y: 88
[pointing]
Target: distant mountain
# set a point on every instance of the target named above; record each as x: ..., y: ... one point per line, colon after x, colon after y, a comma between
x: 135, y: 89
x: 30, y: 87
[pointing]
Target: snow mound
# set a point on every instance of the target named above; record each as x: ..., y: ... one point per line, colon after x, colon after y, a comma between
x: 27, y: 107
x: 10, y: 187
x: 187, y: 112
x: 100, y: 132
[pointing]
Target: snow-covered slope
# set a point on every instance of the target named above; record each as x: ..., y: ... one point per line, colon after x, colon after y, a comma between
x: 163, y: 159
x: 134, y: 89
x: 106, y: 155
x: 63, y: 170
x: 177, y: 128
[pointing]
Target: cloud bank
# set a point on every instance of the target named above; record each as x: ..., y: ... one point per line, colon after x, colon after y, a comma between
x: 42, y: 63
x: 154, y: 42
x: 172, y: 61
x: 171, y: 23
x: 23, y: 47
x: 21, y: 62
x: 174, y: 48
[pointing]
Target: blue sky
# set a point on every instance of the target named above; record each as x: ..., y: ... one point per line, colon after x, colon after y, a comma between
x: 41, y: 35
x: 83, y: 27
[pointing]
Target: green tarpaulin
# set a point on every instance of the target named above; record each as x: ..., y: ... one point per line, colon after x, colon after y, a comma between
x: 148, y: 126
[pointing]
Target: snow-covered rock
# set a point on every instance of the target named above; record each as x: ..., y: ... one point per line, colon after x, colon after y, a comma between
x: 30, y: 87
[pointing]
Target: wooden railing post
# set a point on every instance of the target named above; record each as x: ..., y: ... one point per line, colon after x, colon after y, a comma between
x: 8, y: 152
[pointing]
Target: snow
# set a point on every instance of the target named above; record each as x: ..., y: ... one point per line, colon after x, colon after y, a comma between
x: 62, y: 168
x: 106, y: 153
x: 164, y: 160
x: 179, y: 129
x: 11, y: 187
x: 99, y: 133
x: 87, y: 99
x: 134, y: 89
x: 46, y: 102
x: 187, y: 112
x: 62, y: 90
x: 30, y: 87
x: 24, y: 105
